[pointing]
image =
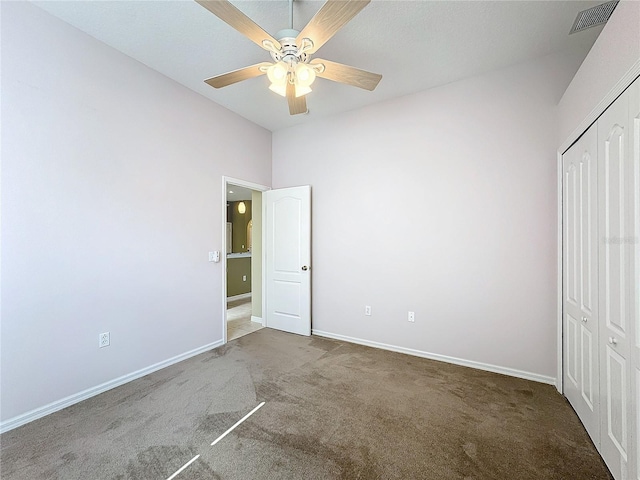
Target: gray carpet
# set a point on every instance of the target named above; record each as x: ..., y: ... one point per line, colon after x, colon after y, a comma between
x: 333, y: 411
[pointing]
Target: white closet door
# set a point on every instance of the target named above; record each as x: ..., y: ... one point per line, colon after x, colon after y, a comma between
x: 581, y: 282
x: 615, y: 279
x: 634, y: 188
x: 571, y: 274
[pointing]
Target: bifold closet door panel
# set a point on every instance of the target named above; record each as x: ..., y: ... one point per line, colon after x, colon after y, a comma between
x: 616, y: 224
x: 571, y: 269
x: 580, y: 281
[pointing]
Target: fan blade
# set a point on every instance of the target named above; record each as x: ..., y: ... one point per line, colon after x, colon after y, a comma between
x: 330, y: 18
x: 346, y: 74
x: 226, y: 12
x: 236, y: 76
x: 296, y: 105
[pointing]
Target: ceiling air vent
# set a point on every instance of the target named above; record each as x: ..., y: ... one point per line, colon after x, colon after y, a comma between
x: 593, y: 16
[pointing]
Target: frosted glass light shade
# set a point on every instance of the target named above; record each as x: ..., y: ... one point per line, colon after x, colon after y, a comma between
x: 305, y: 75
x: 302, y: 90
x: 280, y: 89
x: 242, y: 208
x: 277, y: 73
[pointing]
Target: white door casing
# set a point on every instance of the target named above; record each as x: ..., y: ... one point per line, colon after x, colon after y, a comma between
x: 580, y: 282
x: 615, y: 175
x: 287, y: 226
x: 634, y: 241
x: 226, y: 240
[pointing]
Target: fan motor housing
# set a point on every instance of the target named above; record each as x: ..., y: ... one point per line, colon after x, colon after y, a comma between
x: 289, y: 50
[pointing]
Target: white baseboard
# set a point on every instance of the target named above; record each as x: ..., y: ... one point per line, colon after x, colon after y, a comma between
x: 242, y: 296
x: 442, y: 358
x: 257, y: 319
x: 93, y: 391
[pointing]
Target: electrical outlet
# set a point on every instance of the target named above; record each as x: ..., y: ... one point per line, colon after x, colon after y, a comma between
x: 244, y: 278
x: 412, y: 316
x: 103, y: 340
x: 367, y: 310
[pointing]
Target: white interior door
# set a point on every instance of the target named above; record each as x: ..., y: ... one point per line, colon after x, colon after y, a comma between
x: 287, y: 244
x: 580, y: 282
x: 616, y: 221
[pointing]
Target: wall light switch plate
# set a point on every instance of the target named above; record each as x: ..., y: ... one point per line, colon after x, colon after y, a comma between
x: 412, y: 316
x: 367, y: 310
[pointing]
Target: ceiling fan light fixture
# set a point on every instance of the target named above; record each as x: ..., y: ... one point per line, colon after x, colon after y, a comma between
x: 280, y: 89
x: 305, y: 75
x: 302, y: 90
x: 293, y: 72
x: 277, y: 73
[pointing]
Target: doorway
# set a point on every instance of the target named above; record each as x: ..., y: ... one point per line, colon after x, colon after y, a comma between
x: 242, y: 258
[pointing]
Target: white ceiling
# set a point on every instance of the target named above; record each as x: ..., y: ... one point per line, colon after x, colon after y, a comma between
x: 236, y: 193
x: 415, y: 45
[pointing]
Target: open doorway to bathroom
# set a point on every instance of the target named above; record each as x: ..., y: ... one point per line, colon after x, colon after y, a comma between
x: 243, y: 243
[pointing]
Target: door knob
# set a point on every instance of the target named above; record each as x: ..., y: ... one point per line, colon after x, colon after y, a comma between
x: 305, y: 268
x: 613, y: 341
x: 584, y: 319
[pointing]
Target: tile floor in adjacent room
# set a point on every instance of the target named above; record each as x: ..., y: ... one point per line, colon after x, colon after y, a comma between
x: 239, y: 319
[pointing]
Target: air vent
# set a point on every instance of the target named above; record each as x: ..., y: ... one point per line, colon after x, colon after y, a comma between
x: 593, y: 16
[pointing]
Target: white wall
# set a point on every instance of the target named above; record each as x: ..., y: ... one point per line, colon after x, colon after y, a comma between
x: 443, y: 203
x: 256, y: 254
x: 111, y: 177
x: 614, y: 54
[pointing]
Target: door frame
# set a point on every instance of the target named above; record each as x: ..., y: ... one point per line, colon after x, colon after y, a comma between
x: 226, y: 181
x: 560, y: 277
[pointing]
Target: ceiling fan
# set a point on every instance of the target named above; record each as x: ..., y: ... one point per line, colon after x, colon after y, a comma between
x: 293, y: 71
